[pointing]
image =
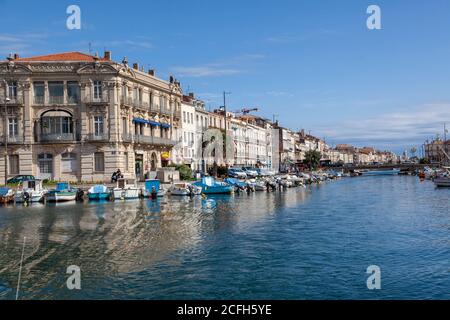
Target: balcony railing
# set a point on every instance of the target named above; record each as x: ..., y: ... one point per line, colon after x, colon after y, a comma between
x: 141, y: 105
x: 153, y: 140
x: 97, y: 137
x: 56, y: 99
x: 127, y: 137
x: 18, y: 139
x: 39, y: 99
x: 95, y: 99
x: 57, y: 137
x: 18, y: 100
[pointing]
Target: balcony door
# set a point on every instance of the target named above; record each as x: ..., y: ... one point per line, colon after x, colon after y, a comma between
x: 45, y: 166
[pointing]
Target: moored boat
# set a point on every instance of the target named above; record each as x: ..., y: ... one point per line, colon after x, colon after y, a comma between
x: 30, y: 191
x: 99, y: 192
x: 6, y: 195
x: 126, y: 190
x: 62, y: 192
x: 153, y: 185
x: 210, y: 186
x: 184, y: 189
x: 442, y: 182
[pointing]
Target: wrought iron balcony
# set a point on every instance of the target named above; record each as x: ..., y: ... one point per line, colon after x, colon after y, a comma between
x: 12, y: 101
x: 56, y: 99
x: 96, y: 99
x: 154, y: 140
x: 57, y: 137
x: 97, y: 137
x: 17, y: 139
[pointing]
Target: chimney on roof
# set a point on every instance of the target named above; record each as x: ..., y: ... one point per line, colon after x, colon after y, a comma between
x: 107, y: 55
x: 191, y: 95
x: 151, y: 72
x: 171, y: 79
x: 136, y: 66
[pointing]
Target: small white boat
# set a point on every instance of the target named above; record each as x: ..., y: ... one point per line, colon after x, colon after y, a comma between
x: 30, y: 191
x: 184, y: 189
x: 126, y: 190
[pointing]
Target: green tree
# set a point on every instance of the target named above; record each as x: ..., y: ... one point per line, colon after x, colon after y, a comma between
x: 185, y: 172
x: 312, y: 159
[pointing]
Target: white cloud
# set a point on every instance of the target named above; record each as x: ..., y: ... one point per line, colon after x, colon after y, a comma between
x: 409, y: 127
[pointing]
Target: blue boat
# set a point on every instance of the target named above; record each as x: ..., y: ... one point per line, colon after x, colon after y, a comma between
x: 236, y: 183
x: 99, y: 192
x: 380, y: 172
x: 211, y: 186
x: 151, y: 184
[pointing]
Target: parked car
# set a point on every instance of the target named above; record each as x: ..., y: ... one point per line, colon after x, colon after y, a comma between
x: 20, y: 179
x: 251, y: 172
x: 237, y: 173
x: 265, y: 172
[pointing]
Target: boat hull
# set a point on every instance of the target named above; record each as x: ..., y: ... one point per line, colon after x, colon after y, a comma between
x: 61, y: 196
x: 98, y: 196
x: 442, y: 182
x: 35, y: 196
x: 126, y: 194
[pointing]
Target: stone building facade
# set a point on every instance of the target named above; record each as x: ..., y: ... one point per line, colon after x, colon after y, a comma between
x: 78, y: 117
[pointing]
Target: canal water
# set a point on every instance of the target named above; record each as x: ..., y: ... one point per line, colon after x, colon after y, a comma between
x: 313, y: 243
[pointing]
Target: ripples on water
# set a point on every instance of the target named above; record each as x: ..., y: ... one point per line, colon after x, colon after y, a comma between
x: 313, y: 243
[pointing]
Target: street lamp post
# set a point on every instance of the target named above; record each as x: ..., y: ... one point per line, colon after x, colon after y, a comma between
x: 225, y: 126
x: 6, y: 138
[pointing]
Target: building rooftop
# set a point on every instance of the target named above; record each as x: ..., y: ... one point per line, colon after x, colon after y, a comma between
x: 63, y: 57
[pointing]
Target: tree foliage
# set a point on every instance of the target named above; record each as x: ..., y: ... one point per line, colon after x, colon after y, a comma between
x: 312, y: 159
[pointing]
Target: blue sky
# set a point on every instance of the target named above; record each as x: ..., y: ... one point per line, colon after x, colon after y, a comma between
x: 313, y: 64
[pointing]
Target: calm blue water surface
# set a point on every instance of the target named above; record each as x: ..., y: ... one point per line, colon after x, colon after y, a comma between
x: 313, y: 243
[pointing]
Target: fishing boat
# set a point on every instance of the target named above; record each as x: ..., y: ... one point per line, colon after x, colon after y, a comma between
x: 211, y: 186
x: 153, y: 184
x: 380, y: 172
x: 62, y: 192
x: 6, y: 195
x: 126, y: 189
x: 30, y: 191
x: 236, y: 183
x: 185, y: 189
x: 442, y: 182
x: 99, y: 192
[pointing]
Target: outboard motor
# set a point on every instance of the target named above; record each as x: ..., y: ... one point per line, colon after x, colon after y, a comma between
x: 154, y: 194
x: 80, y: 195
x: 26, y: 198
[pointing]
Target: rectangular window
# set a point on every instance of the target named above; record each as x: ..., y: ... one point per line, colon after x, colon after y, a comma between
x: 150, y: 99
x: 99, y: 161
x: 56, y: 92
x: 13, y: 164
x: 73, y: 92
x: 125, y: 154
x: 124, y: 125
x: 13, y: 127
x: 98, y: 125
x: 184, y: 116
x: 68, y: 162
x: 97, y: 90
x: 192, y: 118
x: 39, y: 92
x: 12, y: 90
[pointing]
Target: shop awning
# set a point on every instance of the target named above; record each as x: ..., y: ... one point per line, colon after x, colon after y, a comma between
x: 152, y: 123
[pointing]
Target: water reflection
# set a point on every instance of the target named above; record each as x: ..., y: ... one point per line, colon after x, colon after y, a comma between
x: 107, y: 239
x: 302, y: 243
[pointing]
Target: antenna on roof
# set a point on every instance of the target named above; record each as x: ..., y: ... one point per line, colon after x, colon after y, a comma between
x: 90, y: 48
